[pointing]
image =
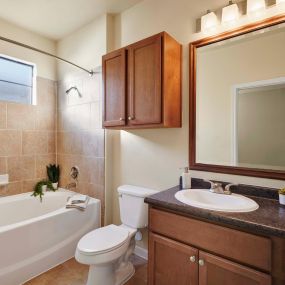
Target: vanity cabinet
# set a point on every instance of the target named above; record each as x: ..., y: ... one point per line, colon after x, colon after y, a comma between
x: 142, y: 85
x: 183, y: 250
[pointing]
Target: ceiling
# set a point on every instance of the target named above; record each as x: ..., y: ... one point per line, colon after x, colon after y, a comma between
x: 57, y: 18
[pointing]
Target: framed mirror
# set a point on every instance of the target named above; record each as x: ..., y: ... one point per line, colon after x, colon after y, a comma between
x: 237, y: 101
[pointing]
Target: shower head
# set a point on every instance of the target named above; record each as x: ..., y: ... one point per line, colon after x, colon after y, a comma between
x: 73, y: 88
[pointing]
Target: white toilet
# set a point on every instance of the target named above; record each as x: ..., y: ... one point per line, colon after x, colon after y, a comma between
x: 107, y: 249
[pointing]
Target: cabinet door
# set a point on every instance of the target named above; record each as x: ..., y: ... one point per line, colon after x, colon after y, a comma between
x: 171, y: 263
x: 214, y: 270
x: 144, y: 85
x: 114, y: 83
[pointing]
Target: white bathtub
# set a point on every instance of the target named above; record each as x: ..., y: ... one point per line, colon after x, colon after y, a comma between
x: 35, y: 236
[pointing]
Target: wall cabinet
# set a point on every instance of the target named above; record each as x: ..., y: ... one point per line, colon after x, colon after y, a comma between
x: 180, y: 255
x: 142, y: 85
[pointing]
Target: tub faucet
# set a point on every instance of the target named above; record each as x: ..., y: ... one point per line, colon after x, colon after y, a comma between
x: 71, y: 185
x: 218, y: 188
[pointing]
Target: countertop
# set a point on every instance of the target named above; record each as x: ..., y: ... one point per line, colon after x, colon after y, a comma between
x: 268, y: 220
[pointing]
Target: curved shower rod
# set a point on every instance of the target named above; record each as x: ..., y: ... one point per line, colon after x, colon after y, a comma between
x: 90, y: 72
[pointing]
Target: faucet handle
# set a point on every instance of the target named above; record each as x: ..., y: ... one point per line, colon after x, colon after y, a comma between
x: 213, y: 184
x: 228, y: 187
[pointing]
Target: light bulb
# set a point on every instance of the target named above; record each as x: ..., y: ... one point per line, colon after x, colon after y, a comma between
x: 255, y: 5
x: 209, y: 21
x: 230, y: 13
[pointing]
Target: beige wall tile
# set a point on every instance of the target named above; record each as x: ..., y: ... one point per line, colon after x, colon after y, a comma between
x: 45, y: 118
x: 14, y: 188
x: 93, y: 143
x: 41, y: 162
x: 46, y: 92
x: 35, y: 142
x: 51, y: 140
x: 3, y: 115
x: 21, y: 167
x: 96, y: 167
x: 29, y: 185
x: 10, y: 143
x: 3, y: 165
x: 69, y: 143
x: 20, y: 116
x: 96, y: 116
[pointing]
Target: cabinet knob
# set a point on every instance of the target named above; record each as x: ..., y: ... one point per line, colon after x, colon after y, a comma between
x: 201, y: 262
x: 192, y: 258
x: 122, y: 119
x: 130, y: 118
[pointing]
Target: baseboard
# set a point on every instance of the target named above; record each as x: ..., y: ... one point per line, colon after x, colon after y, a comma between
x: 141, y: 252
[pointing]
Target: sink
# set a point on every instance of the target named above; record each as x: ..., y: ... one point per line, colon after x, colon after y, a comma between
x: 203, y: 198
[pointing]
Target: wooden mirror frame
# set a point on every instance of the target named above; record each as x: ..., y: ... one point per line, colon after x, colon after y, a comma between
x: 271, y: 174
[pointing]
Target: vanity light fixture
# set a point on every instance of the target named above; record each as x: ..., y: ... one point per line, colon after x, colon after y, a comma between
x: 230, y: 13
x: 209, y: 21
x: 255, y: 5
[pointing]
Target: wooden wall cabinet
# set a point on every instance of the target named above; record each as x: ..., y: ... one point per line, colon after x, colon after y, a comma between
x: 178, y: 254
x: 142, y: 85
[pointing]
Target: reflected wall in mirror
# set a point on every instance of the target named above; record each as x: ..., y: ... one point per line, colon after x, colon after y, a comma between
x: 238, y: 102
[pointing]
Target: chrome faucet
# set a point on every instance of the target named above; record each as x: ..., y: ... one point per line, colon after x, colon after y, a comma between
x: 218, y: 188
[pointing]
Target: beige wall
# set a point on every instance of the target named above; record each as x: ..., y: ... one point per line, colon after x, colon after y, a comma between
x: 215, y: 99
x: 46, y: 66
x: 27, y: 139
x: 152, y: 158
x: 85, y: 46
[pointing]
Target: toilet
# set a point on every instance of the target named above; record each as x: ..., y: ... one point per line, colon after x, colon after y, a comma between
x: 107, y: 250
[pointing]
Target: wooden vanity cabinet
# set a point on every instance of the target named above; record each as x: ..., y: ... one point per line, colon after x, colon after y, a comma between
x: 142, y: 85
x: 183, y: 250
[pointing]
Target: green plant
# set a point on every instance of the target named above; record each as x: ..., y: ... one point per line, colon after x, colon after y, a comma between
x: 38, y: 189
x: 282, y: 191
x: 53, y: 173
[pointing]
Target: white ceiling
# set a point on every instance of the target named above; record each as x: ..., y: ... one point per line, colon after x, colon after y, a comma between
x: 57, y: 18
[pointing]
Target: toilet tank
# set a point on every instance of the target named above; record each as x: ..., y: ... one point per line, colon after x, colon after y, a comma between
x: 133, y: 210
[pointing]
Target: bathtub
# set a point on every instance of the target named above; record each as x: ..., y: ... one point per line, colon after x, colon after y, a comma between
x: 35, y: 236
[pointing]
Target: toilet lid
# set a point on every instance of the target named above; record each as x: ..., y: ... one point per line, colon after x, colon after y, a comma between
x: 103, y: 239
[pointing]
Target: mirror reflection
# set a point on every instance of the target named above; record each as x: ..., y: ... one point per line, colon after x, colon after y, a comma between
x: 240, y: 111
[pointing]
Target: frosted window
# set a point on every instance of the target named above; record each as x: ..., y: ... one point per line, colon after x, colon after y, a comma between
x: 16, y: 81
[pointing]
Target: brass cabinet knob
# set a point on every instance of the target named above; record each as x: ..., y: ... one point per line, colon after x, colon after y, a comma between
x: 201, y: 262
x: 130, y: 118
x: 192, y: 258
x: 122, y: 119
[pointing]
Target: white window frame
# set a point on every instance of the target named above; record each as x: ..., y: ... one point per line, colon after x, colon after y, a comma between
x: 34, y: 75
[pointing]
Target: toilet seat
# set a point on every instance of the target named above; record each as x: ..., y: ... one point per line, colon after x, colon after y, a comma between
x: 103, y: 240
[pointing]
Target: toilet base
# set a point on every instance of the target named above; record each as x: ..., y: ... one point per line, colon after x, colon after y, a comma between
x: 124, y: 273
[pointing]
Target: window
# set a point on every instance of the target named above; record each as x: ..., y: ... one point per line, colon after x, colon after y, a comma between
x: 17, y: 80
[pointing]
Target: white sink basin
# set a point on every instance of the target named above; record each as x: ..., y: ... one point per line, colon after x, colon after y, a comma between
x: 202, y: 198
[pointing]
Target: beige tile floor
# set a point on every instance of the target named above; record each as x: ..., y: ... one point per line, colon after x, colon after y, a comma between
x: 73, y: 273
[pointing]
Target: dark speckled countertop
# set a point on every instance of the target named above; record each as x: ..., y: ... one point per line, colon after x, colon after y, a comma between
x: 268, y: 220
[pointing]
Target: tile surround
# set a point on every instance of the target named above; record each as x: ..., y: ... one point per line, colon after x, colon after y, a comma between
x: 60, y: 127
x: 27, y: 135
x: 80, y: 138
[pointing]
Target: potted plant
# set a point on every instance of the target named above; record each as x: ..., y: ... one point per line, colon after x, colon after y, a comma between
x: 282, y: 196
x: 53, y: 173
x: 41, y: 187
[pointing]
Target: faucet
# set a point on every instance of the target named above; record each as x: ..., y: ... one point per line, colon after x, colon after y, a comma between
x: 217, y: 188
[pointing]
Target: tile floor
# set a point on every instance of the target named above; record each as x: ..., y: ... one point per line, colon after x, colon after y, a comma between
x: 73, y: 273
